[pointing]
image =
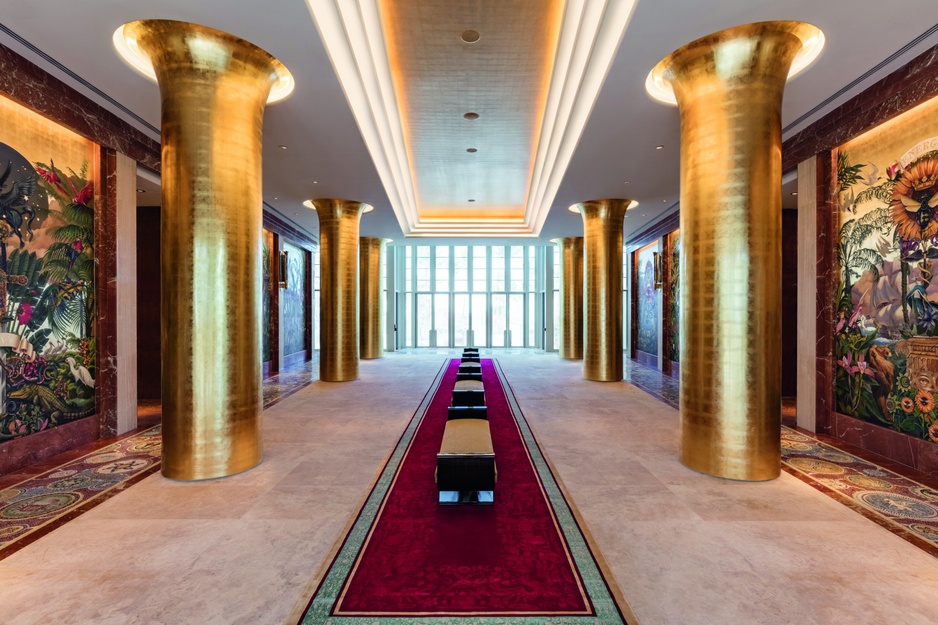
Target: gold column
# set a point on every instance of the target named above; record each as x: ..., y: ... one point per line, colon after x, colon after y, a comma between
x: 728, y: 87
x: 602, y: 288
x: 338, y: 288
x: 213, y: 88
x: 571, y: 297
x: 371, y: 252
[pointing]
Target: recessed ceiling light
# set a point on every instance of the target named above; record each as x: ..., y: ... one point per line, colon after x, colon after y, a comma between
x: 315, y: 182
x: 282, y: 147
x: 664, y: 201
x: 471, y: 116
x: 471, y: 150
x: 626, y: 182
x: 470, y: 36
x: 276, y: 198
x: 140, y: 191
x: 659, y: 147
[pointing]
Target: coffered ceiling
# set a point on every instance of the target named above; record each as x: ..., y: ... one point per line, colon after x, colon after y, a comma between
x: 538, y: 150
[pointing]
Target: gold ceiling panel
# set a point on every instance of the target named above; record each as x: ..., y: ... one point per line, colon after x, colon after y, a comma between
x: 504, y: 77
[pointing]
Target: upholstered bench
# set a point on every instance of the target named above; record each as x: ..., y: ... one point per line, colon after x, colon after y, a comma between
x: 467, y: 412
x: 465, y: 466
x: 466, y: 375
x: 468, y: 385
x: 466, y: 359
x: 468, y: 397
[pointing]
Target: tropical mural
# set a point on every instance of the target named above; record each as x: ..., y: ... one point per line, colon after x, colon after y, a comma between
x: 647, y: 301
x: 294, y: 309
x: 267, y: 287
x: 886, y: 325
x: 47, y: 295
x: 675, y: 287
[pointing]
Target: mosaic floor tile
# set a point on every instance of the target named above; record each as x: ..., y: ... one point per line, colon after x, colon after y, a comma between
x: 43, y: 502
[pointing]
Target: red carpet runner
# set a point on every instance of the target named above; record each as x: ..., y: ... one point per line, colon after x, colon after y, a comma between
x: 419, y: 559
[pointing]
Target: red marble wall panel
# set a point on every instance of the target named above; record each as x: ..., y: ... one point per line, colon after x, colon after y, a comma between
x: 27, y: 450
x: 105, y: 236
x: 31, y: 86
x: 908, y: 86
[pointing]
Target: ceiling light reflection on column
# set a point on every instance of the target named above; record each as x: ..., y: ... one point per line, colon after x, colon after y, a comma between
x: 309, y: 204
x: 131, y: 53
x: 573, y: 208
x: 812, y: 42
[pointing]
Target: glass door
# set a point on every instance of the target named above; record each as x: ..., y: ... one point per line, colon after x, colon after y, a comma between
x: 460, y: 319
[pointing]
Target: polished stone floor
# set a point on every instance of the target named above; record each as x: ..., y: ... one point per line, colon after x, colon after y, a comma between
x: 685, y: 548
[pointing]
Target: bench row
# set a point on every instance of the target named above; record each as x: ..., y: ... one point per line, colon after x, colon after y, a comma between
x: 466, y: 470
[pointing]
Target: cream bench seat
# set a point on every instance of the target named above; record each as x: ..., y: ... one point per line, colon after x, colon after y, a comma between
x: 465, y: 466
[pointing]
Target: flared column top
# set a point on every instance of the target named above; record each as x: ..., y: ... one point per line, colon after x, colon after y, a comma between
x: 147, y: 45
x: 728, y: 52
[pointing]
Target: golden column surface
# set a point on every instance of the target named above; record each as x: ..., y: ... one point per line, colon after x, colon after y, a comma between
x: 213, y: 88
x: 338, y: 288
x: 571, y: 297
x: 728, y: 87
x: 371, y: 252
x: 602, y: 288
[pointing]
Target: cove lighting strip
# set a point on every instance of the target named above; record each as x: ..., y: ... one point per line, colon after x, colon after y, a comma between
x: 353, y: 38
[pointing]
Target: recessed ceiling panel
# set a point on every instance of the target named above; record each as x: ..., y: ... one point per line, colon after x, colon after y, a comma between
x: 493, y: 58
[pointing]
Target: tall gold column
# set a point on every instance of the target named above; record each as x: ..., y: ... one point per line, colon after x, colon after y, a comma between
x: 338, y: 288
x: 371, y: 253
x: 602, y: 288
x: 728, y: 88
x: 213, y: 88
x: 571, y: 297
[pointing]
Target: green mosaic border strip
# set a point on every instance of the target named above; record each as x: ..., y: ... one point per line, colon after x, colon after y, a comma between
x: 607, y: 612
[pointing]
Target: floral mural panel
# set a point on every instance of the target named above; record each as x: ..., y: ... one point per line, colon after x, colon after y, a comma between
x: 267, y: 322
x: 47, y: 295
x: 647, y: 300
x: 675, y: 287
x: 886, y: 328
x: 294, y: 308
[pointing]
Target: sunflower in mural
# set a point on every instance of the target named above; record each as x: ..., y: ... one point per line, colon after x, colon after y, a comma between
x: 915, y: 199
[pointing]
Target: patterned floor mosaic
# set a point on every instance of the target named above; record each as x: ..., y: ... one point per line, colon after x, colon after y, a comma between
x: 900, y: 504
x: 43, y: 502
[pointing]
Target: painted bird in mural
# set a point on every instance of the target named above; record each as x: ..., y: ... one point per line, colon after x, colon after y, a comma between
x: 871, y: 177
x: 80, y: 373
x: 13, y: 202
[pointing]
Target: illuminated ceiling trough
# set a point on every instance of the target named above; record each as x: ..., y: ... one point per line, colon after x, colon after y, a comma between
x: 411, y: 71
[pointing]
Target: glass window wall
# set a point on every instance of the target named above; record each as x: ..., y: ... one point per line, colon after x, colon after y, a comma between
x: 468, y: 295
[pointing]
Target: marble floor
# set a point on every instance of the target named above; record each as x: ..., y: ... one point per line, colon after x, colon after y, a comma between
x: 684, y: 548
